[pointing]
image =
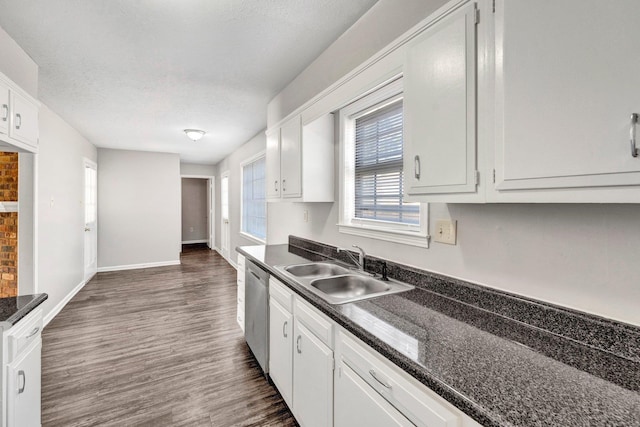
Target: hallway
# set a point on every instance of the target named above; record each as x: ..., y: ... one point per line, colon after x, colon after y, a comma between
x: 156, y: 347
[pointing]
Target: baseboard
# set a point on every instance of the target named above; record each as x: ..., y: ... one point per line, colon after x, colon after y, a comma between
x: 190, y: 242
x: 233, y: 264
x: 138, y: 266
x: 55, y: 310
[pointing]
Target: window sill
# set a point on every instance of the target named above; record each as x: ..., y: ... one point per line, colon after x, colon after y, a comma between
x: 254, y: 238
x: 404, y: 237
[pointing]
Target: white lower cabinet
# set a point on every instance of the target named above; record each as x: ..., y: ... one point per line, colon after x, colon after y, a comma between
x: 22, y: 372
x: 281, y: 349
x: 300, y: 357
x: 312, y: 379
x: 356, y: 403
x: 240, y: 292
x: 23, y: 388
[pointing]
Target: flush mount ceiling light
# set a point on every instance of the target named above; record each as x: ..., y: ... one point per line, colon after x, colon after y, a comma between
x: 194, y: 134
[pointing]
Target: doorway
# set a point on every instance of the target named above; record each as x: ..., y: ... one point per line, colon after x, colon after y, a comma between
x: 224, y: 215
x: 198, y: 210
x: 90, y: 219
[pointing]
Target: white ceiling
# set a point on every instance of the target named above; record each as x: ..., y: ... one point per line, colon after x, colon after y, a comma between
x: 133, y: 74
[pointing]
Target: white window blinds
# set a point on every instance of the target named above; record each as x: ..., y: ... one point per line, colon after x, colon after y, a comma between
x: 378, y: 168
x: 254, y: 208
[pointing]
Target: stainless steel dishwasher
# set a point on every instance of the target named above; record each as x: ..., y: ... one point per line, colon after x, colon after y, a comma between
x: 256, y: 313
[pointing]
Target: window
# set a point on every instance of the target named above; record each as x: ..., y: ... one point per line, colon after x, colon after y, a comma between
x: 254, y: 207
x: 372, y: 173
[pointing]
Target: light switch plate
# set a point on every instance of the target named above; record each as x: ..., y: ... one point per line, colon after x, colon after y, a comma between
x: 445, y: 231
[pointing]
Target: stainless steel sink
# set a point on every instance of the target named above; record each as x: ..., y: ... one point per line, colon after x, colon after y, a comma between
x: 349, y: 286
x: 315, y: 270
x: 338, y: 285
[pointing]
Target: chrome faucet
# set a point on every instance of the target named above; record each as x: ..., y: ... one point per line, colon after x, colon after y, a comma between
x: 358, y: 262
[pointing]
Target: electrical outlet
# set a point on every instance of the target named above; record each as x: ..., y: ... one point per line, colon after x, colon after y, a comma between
x: 445, y: 231
x: 191, y: 229
x: 305, y: 216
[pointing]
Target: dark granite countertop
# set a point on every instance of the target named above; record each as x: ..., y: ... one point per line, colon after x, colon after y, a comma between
x: 13, y: 309
x: 498, y: 370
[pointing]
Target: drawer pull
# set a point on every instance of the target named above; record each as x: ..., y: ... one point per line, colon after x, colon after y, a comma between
x: 5, y: 107
x: 24, y: 381
x: 284, y: 329
x: 18, y: 121
x: 375, y: 377
x: 632, y: 134
x: 298, y: 344
x: 35, y: 331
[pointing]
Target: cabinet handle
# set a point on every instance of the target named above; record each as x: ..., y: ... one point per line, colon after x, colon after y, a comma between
x: 283, y: 183
x: 284, y: 329
x: 416, y: 167
x: 375, y: 377
x: 275, y: 185
x: 35, y: 331
x: 298, y: 344
x: 18, y: 121
x: 24, y: 381
x: 5, y: 107
x: 632, y: 134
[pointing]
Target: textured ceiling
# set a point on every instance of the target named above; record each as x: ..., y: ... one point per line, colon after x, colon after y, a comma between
x: 133, y: 74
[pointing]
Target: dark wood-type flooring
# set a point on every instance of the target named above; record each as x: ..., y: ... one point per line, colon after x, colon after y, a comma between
x: 156, y: 347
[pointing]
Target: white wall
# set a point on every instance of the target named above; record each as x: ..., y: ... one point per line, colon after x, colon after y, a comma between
x: 232, y: 163
x: 17, y: 65
x: 384, y: 22
x: 579, y: 256
x: 138, y: 208
x: 194, y: 209
x: 199, y: 170
x: 60, y: 210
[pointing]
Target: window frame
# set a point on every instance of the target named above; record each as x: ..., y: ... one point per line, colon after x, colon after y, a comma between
x: 410, y: 234
x: 244, y: 233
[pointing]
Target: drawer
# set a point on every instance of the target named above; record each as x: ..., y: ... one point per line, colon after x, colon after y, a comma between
x: 26, y: 331
x: 281, y: 293
x: 315, y: 321
x: 419, y: 404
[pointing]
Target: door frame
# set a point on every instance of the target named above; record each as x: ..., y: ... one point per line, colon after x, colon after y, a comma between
x: 223, y: 175
x: 94, y: 165
x: 211, y: 206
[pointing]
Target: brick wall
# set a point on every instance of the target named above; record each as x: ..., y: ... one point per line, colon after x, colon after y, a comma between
x: 8, y: 226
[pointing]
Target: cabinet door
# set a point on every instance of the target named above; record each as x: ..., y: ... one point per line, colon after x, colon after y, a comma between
x: 272, y: 170
x: 291, y: 158
x: 440, y: 107
x: 356, y: 403
x: 565, y: 91
x: 281, y: 349
x: 4, y: 109
x: 312, y: 379
x: 24, y: 120
x: 23, y: 388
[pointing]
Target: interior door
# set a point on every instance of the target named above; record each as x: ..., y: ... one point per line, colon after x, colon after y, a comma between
x: 90, y: 219
x: 224, y: 214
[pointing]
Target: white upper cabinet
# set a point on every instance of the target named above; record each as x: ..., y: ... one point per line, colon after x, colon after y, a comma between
x: 19, y: 128
x: 299, y: 160
x: 24, y: 120
x: 291, y: 158
x: 440, y: 107
x: 272, y: 172
x: 4, y: 109
x: 565, y: 90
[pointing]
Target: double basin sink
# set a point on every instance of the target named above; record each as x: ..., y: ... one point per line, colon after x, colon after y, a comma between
x: 338, y: 285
